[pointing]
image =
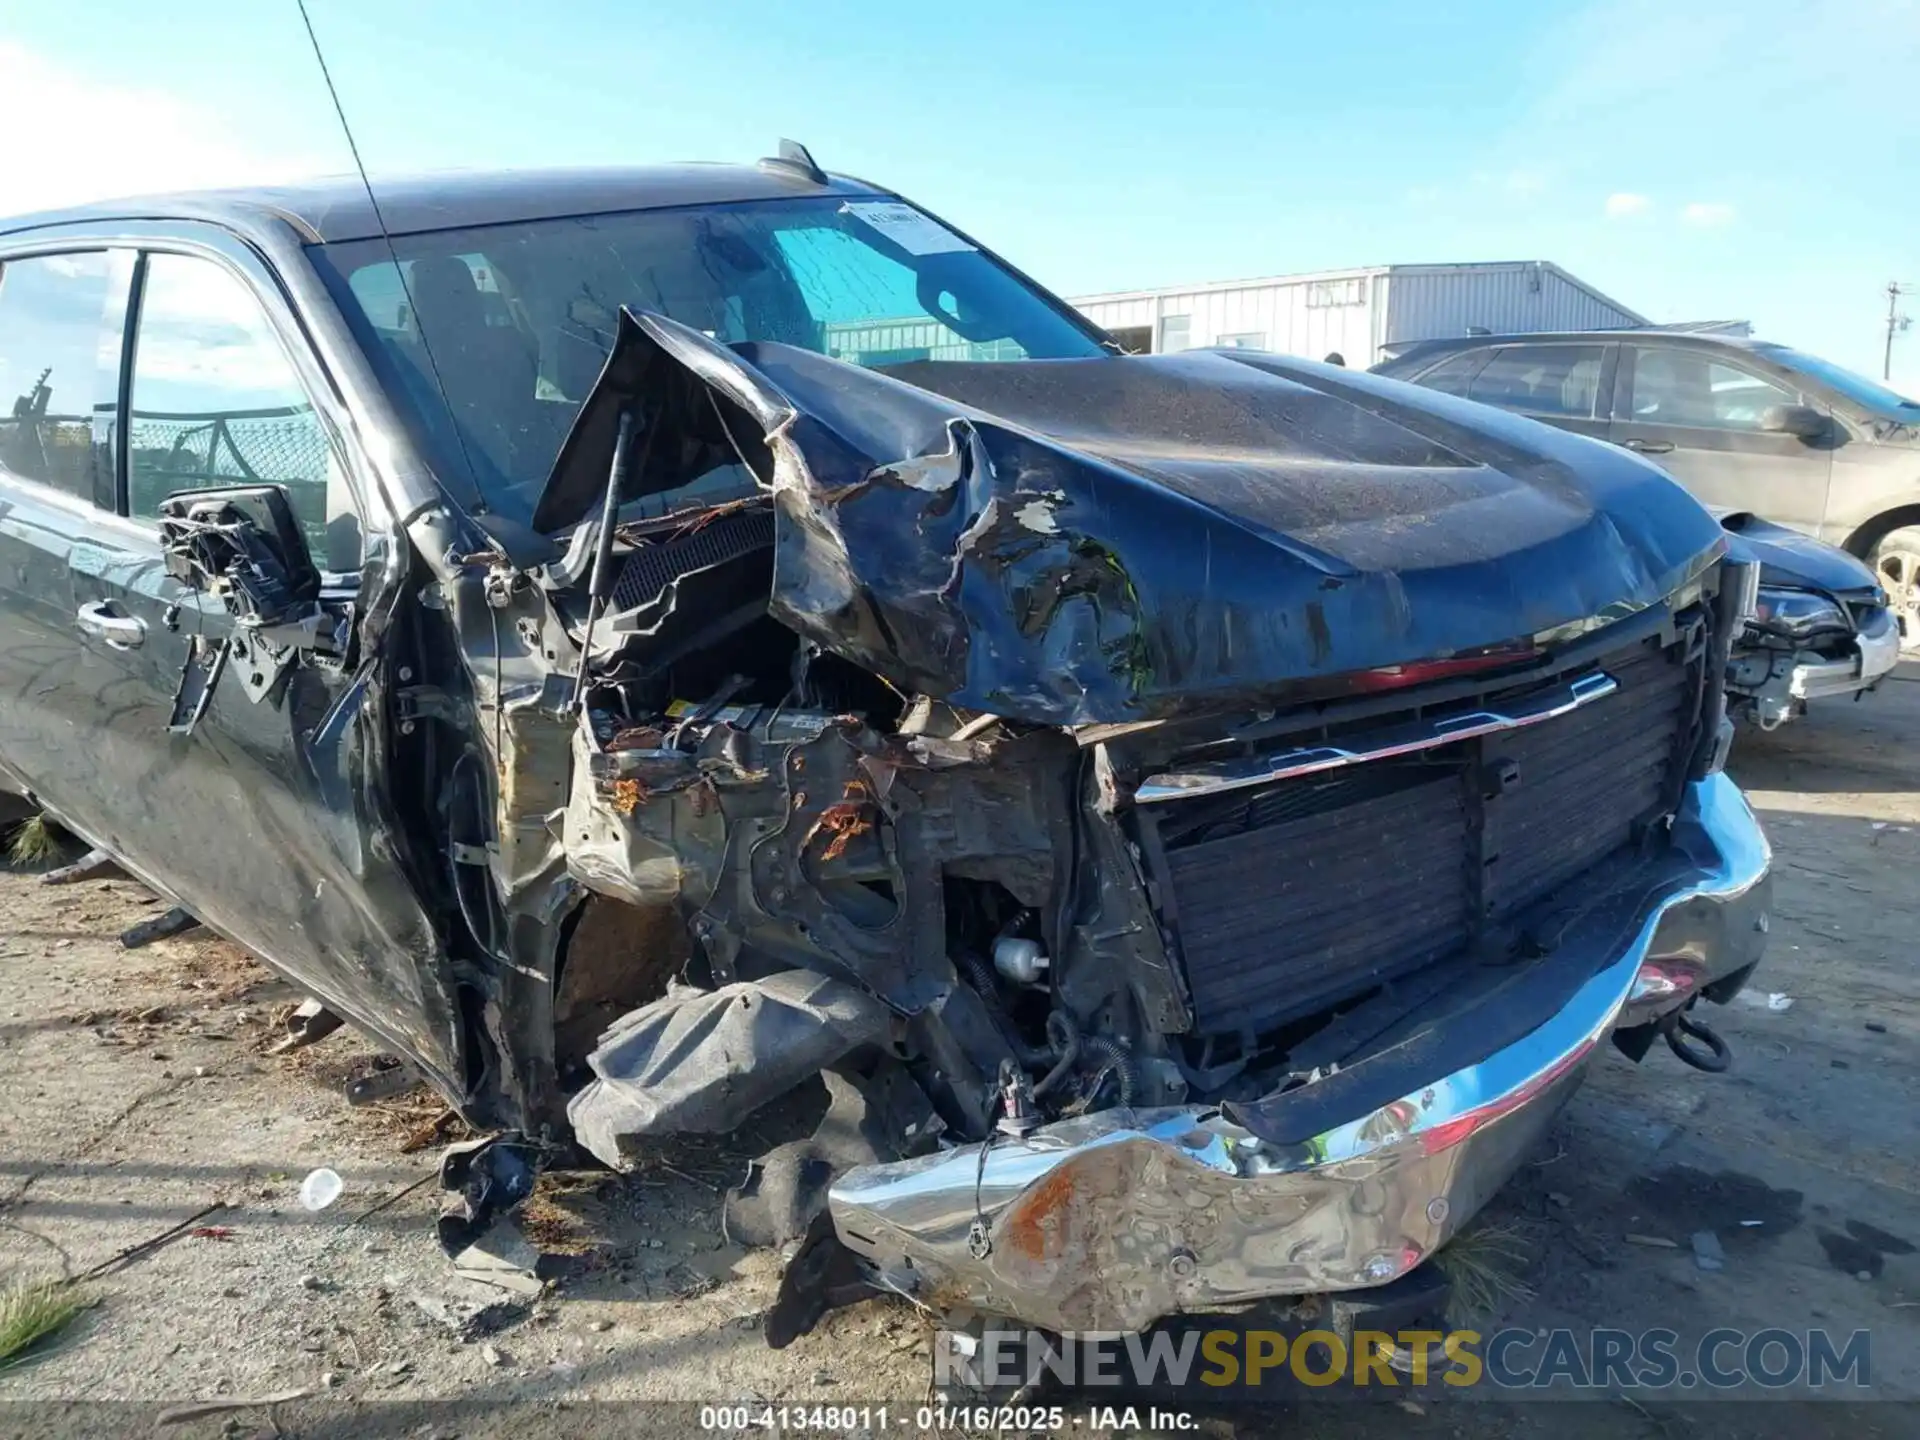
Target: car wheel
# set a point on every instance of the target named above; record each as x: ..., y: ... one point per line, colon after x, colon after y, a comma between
x: 1896, y: 560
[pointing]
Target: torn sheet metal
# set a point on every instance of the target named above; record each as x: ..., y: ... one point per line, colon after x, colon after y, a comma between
x: 1117, y: 539
x: 701, y: 1061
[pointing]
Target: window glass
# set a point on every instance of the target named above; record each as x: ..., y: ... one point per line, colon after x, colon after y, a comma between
x: 1176, y: 333
x: 1324, y: 294
x: 1453, y: 374
x: 1690, y: 387
x: 61, y: 322
x: 216, y: 402
x: 490, y: 337
x: 1558, y: 380
x: 1856, y: 387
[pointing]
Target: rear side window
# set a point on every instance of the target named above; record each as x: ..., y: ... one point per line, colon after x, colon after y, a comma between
x: 61, y: 322
x: 1556, y: 380
x: 216, y: 402
x: 1453, y: 374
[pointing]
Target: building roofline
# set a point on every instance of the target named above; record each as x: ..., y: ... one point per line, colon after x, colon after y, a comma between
x: 1210, y: 287
x: 1215, y: 287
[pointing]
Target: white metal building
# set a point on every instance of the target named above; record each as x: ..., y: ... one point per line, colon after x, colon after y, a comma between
x: 1356, y: 312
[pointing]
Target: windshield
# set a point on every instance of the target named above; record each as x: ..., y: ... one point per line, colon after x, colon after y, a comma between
x: 518, y: 318
x: 1855, y: 387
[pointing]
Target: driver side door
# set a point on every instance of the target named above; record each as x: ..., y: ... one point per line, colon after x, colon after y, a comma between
x: 261, y: 809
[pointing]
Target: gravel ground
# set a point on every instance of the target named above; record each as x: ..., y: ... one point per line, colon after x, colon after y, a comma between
x: 135, y: 1092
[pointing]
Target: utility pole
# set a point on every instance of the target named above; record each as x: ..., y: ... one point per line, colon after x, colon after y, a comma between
x: 1896, y: 322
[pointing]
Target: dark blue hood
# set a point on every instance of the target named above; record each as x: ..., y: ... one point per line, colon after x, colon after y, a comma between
x: 1113, y: 539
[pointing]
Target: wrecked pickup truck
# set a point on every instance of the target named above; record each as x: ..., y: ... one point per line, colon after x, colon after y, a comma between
x: 644, y: 643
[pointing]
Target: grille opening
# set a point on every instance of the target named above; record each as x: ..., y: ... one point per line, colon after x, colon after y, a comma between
x: 1288, y: 901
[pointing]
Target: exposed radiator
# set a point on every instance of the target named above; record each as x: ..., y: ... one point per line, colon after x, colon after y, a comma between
x: 1286, y: 899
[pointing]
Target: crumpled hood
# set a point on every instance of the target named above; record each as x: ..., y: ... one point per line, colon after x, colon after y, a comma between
x: 1110, y: 540
x: 1793, y: 560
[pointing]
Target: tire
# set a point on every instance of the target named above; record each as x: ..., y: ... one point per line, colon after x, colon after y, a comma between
x: 1895, y: 560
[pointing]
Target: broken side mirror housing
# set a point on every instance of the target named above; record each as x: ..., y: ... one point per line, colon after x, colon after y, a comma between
x: 242, y: 544
x: 1804, y: 421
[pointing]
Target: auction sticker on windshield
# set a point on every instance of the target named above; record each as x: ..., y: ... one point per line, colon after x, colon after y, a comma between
x: 913, y: 232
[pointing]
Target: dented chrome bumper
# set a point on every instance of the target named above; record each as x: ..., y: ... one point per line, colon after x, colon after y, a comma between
x: 1112, y: 1221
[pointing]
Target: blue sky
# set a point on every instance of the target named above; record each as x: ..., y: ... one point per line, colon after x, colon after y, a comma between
x: 1756, y: 160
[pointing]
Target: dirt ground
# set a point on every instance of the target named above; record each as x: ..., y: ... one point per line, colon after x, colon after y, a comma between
x: 135, y: 1092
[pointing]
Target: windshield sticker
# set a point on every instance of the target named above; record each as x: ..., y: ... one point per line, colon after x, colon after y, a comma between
x: 913, y: 232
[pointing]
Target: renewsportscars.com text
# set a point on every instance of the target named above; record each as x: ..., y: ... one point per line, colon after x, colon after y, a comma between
x: 1202, y: 1361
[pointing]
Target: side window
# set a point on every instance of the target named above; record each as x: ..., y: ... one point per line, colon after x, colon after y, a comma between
x: 216, y: 402
x: 1453, y: 374
x: 1689, y: 387
x: 1554, y: 380
x: 61, y: 322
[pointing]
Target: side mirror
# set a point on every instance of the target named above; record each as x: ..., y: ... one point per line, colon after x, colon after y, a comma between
x: 242, y: 544
x: 1801, y: 420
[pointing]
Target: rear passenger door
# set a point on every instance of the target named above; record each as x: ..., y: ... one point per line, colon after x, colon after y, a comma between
x: 1697, y: 412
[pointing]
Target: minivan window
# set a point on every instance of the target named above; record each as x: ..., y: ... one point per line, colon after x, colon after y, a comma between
x: 1689, y: 387
x: 499, y: 331
x: 216, y: 402
x: 1558, y: 380
x: 61, y: 322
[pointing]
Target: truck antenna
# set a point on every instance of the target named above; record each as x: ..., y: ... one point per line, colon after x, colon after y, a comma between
x: 386, y: 236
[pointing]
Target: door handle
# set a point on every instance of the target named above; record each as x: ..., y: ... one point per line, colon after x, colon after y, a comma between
x: 122, y: 632
x: 1649, y: 447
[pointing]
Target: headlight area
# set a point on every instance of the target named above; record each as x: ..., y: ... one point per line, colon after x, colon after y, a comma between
x: 1796, y: 616
x: 1800, y: 645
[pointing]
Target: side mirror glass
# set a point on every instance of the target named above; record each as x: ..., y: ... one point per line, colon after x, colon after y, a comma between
x: 1801, y: 420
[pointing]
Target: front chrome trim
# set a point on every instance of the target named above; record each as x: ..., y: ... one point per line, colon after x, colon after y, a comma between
x: 1403, y: 739
x: 1114, y: 1220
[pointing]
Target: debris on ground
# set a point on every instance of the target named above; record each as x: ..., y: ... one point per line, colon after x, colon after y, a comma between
x: 502, y: 1257
x: 177, y: 921
x: 470, y: 1320
x: 95, y: 864
x: 320, y: 1189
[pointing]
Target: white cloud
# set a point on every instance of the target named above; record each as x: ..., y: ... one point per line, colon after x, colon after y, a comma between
x: 1623, y: 203
x: 76, y: 139
x: 1706, y: 214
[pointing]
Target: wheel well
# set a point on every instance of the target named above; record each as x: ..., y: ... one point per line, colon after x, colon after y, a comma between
x: 1862, y: 541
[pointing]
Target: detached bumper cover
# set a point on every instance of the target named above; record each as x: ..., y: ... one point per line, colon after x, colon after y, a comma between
x: 1112, y: 1221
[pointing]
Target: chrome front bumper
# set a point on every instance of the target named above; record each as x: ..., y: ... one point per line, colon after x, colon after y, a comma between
x: 1112, y: 1221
